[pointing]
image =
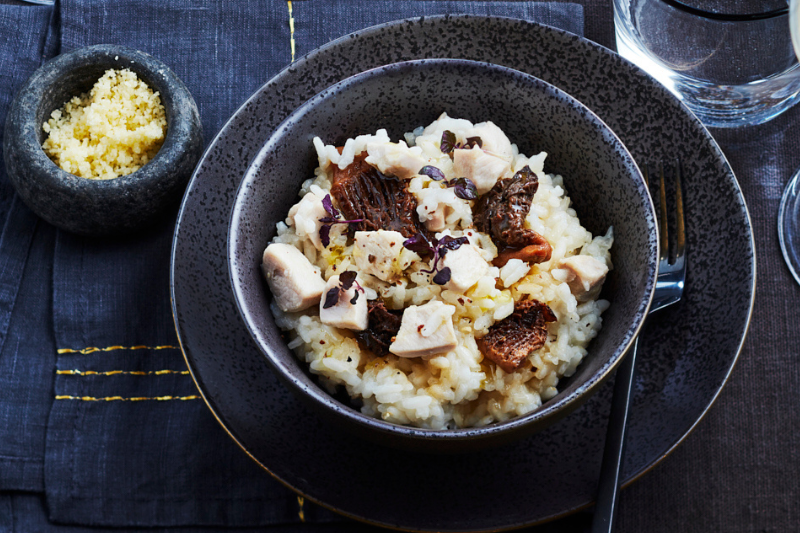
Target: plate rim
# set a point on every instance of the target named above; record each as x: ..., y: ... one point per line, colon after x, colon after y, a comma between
x: 287, y: 71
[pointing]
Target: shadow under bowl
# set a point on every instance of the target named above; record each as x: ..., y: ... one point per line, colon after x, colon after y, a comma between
x: 90, y: 206
x: 600, y: 176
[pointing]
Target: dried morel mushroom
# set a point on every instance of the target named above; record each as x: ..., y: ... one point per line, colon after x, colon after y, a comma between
x: 377, y: 200
x: 501, y: 213
x: 510, y: 341
x: 382, y: 328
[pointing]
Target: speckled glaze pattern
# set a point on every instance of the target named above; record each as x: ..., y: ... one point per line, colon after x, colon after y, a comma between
x: 99, y: 207
x: 600, y: 176
x: 686, y: 352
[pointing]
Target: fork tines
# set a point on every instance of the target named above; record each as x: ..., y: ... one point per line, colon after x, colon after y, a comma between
x: 672, y: 250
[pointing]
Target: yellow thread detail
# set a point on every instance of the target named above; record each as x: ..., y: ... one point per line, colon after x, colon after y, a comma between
x: 301, y: 513
x: 121, y: 399
x: 116, y: 372
x: 93, y: 349
x: 291, y: 29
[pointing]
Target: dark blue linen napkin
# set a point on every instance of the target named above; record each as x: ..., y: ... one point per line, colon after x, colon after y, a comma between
x: 129, y: 442
x: 26, y: 361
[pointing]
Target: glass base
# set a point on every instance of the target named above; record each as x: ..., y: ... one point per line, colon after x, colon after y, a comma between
x: 789, y: 225
x: 720, y: 106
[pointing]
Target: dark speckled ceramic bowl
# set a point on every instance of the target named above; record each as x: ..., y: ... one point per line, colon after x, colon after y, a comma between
x: 97, y: 207
x: 600, y: 176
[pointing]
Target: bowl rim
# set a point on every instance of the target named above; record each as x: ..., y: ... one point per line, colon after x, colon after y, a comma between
x: 26, y: 103
x: 558, y: 406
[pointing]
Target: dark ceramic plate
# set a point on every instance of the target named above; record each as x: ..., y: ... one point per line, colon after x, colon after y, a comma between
x: 603, y: 181
x: 686, y: 351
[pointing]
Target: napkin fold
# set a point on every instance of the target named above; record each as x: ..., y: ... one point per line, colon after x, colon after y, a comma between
x: 115, y: 432
x: 26, y: 361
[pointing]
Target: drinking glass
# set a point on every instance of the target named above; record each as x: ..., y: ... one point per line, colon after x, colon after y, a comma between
x: 730, y: 61
x: 789, y: 210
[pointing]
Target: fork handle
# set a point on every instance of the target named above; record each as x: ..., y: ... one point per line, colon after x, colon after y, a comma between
x: 614, y: 451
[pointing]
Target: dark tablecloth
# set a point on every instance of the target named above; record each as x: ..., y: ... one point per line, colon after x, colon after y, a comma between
x: 82, y: 318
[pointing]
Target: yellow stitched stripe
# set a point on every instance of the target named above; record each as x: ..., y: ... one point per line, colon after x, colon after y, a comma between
x: 93, y: 349
x: 300, y: 502
x: 121, y: 372
x: 291, y: 29
x: 121, y: 399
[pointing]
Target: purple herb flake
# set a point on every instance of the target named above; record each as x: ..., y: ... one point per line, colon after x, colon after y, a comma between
x: 464, y: 188
x: 472, y: 141
x: 432, y: 172
x: 451, y: 243
x: 433, y: 268
x: 331, y: 298
x: 354, y: 299
x: 346, y: 279
x: 325, y: 235
x: 448, y: 143
x: 327, y: 203
x: 327, y: 222
x: 442, y: 277
x: 418, y: 244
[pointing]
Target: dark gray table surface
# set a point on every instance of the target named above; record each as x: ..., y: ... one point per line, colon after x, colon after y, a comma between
x: 739, y: 470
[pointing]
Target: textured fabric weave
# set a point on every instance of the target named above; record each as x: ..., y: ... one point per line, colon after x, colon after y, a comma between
x: 26, y: 361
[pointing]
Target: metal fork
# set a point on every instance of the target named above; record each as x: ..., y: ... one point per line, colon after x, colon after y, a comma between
x: 669, y: 290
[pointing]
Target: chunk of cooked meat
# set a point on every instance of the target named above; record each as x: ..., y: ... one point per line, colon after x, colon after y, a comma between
x: 466, y: 266
x: 501, y: 213
x: 382, y: 327
x: 437, y: 219
x: 295, y: 283
x: 479, y: 167
x: 510, y: 341
x: 349, y: 309
x: 396, y: 159
x: 377, y: 252
x: 383, y: 202
x: 425, y: 330
x: 493, y: 139
x: 305, y: 217
x: 585, y: 275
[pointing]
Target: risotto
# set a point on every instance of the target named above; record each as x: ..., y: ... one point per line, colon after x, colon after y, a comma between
x: 443, y: 280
